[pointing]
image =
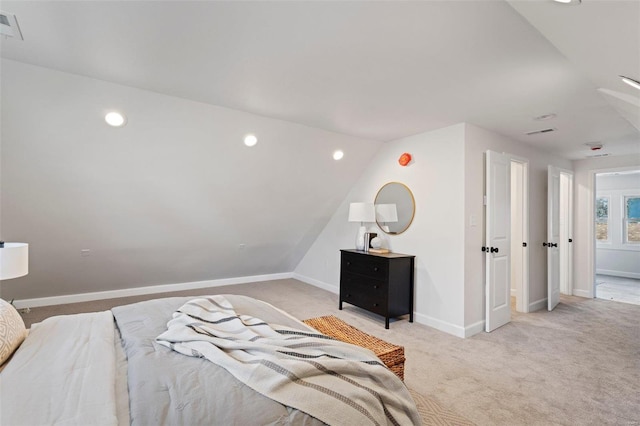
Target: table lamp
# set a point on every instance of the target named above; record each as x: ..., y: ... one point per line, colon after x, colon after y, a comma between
x: 14, y: 260
x: 361, y: 212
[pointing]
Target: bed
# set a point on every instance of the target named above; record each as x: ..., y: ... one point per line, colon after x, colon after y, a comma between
x: 222, y: 360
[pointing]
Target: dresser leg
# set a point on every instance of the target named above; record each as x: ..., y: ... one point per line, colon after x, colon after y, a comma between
x: 386, y: 323
x: 411, y: 317
x: 340, y: 305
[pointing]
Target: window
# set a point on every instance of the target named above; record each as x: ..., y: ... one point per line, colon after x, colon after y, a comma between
x: 602, y: 218
x: 632, y: 219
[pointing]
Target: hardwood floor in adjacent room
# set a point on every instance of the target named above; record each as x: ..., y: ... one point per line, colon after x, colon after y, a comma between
x: 618, y: 289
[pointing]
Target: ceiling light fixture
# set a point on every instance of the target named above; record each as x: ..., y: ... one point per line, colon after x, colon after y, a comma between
x: 631, y: 82
x: 115, y: 119
x: 568, y: 1
x: 337, y: 155
x: 250, y: 140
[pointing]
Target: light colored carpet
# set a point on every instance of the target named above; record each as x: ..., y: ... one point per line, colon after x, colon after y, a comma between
x: 577, y: 365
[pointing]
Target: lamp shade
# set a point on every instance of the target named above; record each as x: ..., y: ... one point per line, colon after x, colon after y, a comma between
x: 386, y: 213
x: 362, y: 212
x: 14, y: 260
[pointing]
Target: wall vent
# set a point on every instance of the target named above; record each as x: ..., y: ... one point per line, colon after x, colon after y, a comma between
x: 9, y: 26
x: 597, y: 155
x: 538, y: 132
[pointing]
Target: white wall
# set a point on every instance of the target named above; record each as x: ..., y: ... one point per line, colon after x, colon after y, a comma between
x: 447, y: 178
x: 477, y: 142
x: 615, y: 256
x: 166, y: 199
x: 436, y: 236
x: 584, y: 192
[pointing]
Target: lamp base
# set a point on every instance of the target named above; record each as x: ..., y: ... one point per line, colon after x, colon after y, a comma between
x: 360, y: 238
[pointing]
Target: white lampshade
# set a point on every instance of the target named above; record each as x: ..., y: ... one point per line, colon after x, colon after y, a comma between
x: 362, y: 212
x: 14, y: 260
x: 386, y: 213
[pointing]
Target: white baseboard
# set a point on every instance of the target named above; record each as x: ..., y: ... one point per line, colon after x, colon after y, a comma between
x: 473, y: 329
x: 537, y: 305
x: 582, y: 293
x: 137, y: 291
x: 622, y: 274
x: 316, y: 283
x: 514, y: 292
x: 447, y: 327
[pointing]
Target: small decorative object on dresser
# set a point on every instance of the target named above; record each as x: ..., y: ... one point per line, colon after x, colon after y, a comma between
x: 379, y: 283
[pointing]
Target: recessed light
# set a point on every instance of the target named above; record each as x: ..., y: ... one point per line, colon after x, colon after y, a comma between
x: 337, y: 155
x: 568, y: 1
x: 250, y: 140
x: 545, y: 117
x: 631, y: 82
x: 115, y: 119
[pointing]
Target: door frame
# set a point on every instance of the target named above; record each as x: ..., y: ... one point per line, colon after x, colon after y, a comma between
x: 522, y: 293
x: 591, y: 231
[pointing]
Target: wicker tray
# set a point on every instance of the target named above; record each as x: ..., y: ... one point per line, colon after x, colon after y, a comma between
x: 391, y: 355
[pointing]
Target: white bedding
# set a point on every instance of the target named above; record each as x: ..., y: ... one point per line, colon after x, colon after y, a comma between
x: 76, y: 356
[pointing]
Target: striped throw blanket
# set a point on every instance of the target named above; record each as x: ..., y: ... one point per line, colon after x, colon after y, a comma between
x: 338, y: 383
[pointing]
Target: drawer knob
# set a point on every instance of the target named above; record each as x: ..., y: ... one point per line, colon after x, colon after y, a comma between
x: 375, y: 304
x: 375, y: 286
x: 375, y: 269
x: 348, y: 263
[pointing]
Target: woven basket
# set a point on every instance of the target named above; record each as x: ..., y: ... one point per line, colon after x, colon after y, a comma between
x: 391, y: 355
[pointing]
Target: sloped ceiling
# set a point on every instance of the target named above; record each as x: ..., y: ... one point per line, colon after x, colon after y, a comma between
x: 377, y: 70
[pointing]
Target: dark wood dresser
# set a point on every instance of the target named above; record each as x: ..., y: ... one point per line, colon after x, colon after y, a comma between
x: 379, y: 283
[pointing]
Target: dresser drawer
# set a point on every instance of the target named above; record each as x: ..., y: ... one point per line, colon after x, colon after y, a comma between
x: 369, y: 266
x: 367, y: 301
x: 359, y: 283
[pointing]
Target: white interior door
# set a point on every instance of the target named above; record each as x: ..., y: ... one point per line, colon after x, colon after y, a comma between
x: 566, y: 232
x: 553, y: 238
x: 498, y: 240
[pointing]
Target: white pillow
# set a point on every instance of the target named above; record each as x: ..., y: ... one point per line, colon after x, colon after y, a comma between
x: 12, y: 330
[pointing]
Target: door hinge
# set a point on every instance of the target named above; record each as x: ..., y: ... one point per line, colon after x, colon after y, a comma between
x: 484, y: 200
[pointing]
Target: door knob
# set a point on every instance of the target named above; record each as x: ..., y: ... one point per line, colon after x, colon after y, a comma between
x: 544, y: 244
x: 494, y: 249
x: 553, y: 244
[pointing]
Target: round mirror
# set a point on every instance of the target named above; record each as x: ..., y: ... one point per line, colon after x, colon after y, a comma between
x: 395, y: 208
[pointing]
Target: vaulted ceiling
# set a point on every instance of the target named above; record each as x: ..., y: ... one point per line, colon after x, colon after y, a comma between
x: 377, y: 70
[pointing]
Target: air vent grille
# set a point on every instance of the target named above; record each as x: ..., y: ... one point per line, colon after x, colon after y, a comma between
x: 538, y: 132
x: 9, y: 26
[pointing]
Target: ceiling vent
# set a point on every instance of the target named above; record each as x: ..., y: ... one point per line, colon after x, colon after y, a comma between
x: 597, y: 155
x: 537, y: 132
x: 9, y: 26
